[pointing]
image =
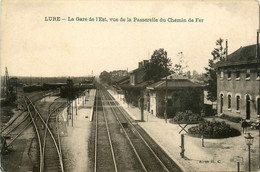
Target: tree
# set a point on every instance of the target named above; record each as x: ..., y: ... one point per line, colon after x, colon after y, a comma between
x: 181, y: 65
x: 105, y: 77
x: 158, y: 67
x: 188, y: 74
x: 211, y: 73
x: 219, y: 52
x: 211, y: 81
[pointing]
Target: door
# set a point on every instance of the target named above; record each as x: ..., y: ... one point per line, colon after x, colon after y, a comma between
x: 258, y: 106
x: 247, y: 107
x: 221, y: 103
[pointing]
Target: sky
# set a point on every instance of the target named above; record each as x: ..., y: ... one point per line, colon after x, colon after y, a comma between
x: 31, y: 46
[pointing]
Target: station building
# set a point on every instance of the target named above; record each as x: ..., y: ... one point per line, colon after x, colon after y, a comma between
x: 238, y: 84
x: 182, y: 95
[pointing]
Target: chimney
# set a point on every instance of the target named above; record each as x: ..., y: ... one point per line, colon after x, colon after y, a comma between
x: 140, y: 64
x: 145, y: 62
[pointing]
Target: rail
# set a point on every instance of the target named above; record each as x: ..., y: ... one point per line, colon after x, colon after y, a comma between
x: 10, y: 123
x: 107, y: 131
x: 51, y: 134
x: 109, y: 137
x: 128, y: 138
x: 136, y: 131
x: 45, y: 131
x: 18, y: 124
x: 96, y: 134
x: 92, y: 108
x: 38, y: 136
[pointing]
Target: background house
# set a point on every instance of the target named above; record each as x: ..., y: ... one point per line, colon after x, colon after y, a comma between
x: 238, y: 83
x: 135, y: 87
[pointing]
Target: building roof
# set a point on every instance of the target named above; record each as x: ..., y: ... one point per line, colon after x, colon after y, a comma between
x: 139, y: 86
x: 242, y: 56
x: 173, y: 84
x: 175, y: 76
x: 57, y: 84
x: 121, y: 79
x: 137, y: 70
x: 124, y: 82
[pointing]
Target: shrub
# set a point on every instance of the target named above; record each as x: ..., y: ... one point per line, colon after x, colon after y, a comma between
x: 186, y: 117
x: 213, y: 129
x: 209, y: 111
x: 64, y: 93
x: 32, y: 88
x: 231, y: 118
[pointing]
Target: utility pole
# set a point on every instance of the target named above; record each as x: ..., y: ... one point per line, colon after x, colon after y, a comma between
x: 166, y: 100
x: 7, y: 84
x: 72, y: 113
x: 76, y: 107
x: 69, y: 103
x: 141, y: 101
x: 257, y: 45
x: 226, y: 49
x: 258, y: 57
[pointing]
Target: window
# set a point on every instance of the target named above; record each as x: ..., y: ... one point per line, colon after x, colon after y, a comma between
x: 248, y: 74
x: 237, y: 74
x: 221, y: 74
x: 169, y: 102
x: 132, y: 79
x: 238, y: 103
x: 221, y: 103
x: 229, y: 101
x: 229, y: 75
x: 258, y: 74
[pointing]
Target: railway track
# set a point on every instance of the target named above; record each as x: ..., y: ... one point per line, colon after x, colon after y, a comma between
x: 2, y: 131
x: 103, y: 157
x: 50, y: 152
x: 128, y: 144
x: 49, y: 145
x: 21, y: 122
x: 13, y: 125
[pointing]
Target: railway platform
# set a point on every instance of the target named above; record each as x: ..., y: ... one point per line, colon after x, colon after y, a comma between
x: 75, y: 138
x: 216, y: 155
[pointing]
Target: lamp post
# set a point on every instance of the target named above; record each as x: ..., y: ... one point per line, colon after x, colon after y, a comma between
x: 249, y: 141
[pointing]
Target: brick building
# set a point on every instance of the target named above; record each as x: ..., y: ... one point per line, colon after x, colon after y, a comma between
x: 238, y: 84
